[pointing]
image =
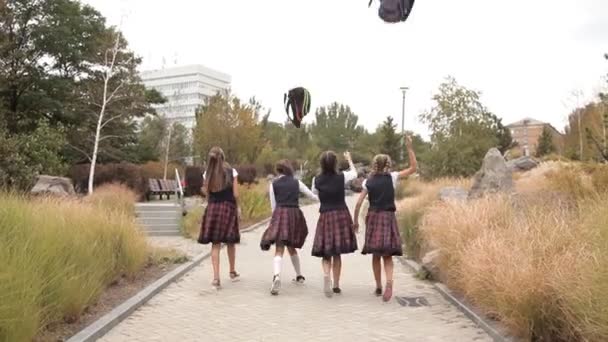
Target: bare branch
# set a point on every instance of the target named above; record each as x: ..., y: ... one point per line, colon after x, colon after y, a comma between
x: 81, y: 151
x: 110, y: 119
x: 108, y: 137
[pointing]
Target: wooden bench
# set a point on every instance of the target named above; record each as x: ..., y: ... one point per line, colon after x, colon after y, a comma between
x: 161, y: 187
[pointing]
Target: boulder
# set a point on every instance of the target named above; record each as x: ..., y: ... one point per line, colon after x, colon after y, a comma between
x: 522, y: 164
x: 430, y: 263
x: 54, y: 186
x: 453, y: 193
x: 494, y: 176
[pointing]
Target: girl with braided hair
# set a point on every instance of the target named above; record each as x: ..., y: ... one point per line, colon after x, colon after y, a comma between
x: 382, y: 238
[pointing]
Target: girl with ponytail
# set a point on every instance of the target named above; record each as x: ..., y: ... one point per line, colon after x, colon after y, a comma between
x: 221, y: 218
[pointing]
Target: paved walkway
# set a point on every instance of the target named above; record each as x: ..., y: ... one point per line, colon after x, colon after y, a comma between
x: 189, y: 310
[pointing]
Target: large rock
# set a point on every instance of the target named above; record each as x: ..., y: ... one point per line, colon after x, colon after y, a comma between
x: 53, y: 185
x: 522, y: 164
x: 430, y: 263
x: 493, y: 177
x: 453, y: 193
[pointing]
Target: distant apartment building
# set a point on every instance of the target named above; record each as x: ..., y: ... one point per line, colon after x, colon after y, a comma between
x: 186, y: 89
x: 527, y: 132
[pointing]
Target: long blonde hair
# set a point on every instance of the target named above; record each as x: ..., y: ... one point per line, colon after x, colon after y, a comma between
x: 381, y: 164
x: 217, y: 179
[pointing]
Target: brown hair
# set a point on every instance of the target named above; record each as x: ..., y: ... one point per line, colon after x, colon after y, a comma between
x: 283, y: 167
x: 329, y: 162
x: 216, y: 179
x: 381, y: 164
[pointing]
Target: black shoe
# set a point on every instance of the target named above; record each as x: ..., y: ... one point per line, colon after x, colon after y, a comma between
x: 337, y: 290
x: 299, y: 279
x: 378, y: 292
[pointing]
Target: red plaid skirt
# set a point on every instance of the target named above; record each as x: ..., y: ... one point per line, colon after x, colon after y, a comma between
x: 334, y: 235
x: 382, y: 234
x: 220, y: 224
x: 287, y: 227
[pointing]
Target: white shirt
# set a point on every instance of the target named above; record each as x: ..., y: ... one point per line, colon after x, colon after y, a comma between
x: 303, y: 189
x: 394, y: 176
x: 349, y: 175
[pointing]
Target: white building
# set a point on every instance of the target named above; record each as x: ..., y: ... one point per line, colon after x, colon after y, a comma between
x: 186, y: 89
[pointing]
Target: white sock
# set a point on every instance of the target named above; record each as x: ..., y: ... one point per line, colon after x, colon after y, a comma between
x: 295, y: 260
x: 277, y: 264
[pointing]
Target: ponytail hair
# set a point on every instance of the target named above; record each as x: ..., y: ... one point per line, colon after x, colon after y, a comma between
x: 381, y: 164
x: 284, y: 167
x: 329, y: 163
x: 217, y: 179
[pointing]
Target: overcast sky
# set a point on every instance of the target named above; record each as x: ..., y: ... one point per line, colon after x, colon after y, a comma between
x: 525, y: 57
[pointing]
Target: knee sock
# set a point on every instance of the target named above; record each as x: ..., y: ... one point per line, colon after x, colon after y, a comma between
x: 295, y: 260
x: 277, y: 264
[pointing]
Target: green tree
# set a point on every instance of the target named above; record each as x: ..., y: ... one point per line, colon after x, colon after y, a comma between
x: 390, y: 142
x: 336, y: 128
x: 545, y: 143
x: 462, y: 131
x: 599, y: 137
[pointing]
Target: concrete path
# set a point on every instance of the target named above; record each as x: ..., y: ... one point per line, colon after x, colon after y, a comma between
x: 189, y: 310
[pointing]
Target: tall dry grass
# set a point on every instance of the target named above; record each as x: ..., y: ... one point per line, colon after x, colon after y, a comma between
x: 57, y: 257
x: 417, y: 197
x: 538, y: 260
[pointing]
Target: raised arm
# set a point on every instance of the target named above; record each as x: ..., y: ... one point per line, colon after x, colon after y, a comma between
x: 306, y: 191
x: 352, y: 171
x: 358, y: 209
x: 412, y: 156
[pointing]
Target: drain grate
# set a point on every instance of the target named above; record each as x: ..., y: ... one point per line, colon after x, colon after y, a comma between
x: 412, y: 301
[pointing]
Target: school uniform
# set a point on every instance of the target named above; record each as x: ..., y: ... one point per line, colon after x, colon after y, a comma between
x: 220, y: 221
x: 287, y: 226
x: 382, y: 233
x: 334, y: 235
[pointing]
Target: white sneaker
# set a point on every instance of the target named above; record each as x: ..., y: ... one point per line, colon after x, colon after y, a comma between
x: 276, y: 285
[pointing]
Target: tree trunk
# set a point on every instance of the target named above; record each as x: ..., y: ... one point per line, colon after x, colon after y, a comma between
x: 167, y: 151
x: 98, y: 133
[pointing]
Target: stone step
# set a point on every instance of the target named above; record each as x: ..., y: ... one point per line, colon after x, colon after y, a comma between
x: 164, y: 233
x: 164, y: 214
x: 161, y: 226
x: 151, y: 220
x: 156, y: 207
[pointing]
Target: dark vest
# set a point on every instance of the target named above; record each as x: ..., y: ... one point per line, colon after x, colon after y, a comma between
x: 286, y: 192
x: 331, y: 192
x: 225, y: 195
x: 381, y: 192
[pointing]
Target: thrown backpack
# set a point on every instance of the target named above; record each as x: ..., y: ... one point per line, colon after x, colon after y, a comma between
x: 394, y: 11
x: 298, y: 100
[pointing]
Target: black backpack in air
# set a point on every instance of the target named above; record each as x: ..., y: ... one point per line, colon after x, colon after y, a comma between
x: 394, y: 11
x: 298, y: 100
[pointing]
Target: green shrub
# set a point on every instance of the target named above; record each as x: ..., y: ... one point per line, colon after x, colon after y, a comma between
x: 57, y: 257
x: 191, y: 223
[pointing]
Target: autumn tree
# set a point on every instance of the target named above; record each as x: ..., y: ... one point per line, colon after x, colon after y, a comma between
x: 336, y: 128
x: 390, y: 141
x: 227, y: 122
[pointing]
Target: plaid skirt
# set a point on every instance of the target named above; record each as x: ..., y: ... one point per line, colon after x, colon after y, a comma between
x: 287, y: 227
x: 382, y: 234
x: 334, y: 235
x: 220, y: 224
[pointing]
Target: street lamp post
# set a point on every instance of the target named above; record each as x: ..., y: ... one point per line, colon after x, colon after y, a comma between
x: 403, y: 90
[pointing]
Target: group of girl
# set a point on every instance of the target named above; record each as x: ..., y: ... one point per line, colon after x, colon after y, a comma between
x: 336, y: 229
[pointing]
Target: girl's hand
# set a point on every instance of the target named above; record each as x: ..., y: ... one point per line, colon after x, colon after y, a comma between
x: 408, y: 141
x: 239, y: 213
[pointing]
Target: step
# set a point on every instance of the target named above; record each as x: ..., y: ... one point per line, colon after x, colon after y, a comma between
x: 157, y: 207
x: 161, y: 226
x: 164, y: 213
x: 147, y: 220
